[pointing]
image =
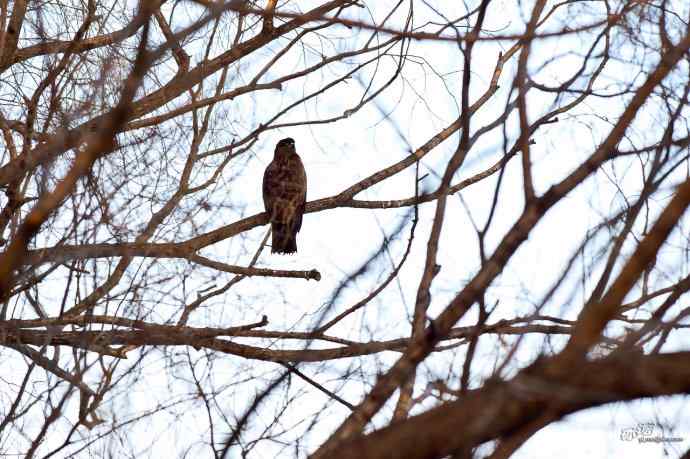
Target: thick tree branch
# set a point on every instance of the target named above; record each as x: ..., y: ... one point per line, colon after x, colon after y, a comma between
x: 500, y: 408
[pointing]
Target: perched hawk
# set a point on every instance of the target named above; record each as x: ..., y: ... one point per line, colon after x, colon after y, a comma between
x: 285, y: 192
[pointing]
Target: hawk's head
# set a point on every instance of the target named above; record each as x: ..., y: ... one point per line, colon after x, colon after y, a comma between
x: 287, y: 144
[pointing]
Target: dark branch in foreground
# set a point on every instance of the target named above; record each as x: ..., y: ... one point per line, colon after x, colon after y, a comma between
x: 499, y: 408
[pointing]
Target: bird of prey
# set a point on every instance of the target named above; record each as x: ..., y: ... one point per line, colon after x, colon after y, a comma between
x: 285, y: 193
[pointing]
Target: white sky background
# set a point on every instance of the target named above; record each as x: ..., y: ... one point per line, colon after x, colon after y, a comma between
x: 337, y: 242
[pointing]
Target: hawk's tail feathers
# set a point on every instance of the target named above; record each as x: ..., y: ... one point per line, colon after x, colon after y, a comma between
x: 283, y: 238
